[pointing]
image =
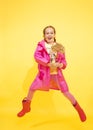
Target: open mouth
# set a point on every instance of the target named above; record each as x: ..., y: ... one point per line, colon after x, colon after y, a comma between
x: 49, y: 38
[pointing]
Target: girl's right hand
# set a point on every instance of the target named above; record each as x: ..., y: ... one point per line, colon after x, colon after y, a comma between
x: 53, y: 65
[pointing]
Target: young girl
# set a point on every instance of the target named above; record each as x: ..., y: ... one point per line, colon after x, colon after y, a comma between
x: 50, y: 57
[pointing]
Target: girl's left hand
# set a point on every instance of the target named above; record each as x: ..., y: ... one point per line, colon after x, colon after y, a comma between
x: 59, y: 65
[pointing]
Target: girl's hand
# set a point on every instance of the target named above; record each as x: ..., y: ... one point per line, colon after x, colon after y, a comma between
x: 59, y: 65
x: 51, y: 64
x: 56, y: 65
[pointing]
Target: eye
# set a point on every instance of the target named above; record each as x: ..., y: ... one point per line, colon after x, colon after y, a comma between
x: 52, y: 32
x: 47, y: 32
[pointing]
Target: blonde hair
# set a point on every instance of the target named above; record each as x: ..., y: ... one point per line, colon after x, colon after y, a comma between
x: 58, y: 48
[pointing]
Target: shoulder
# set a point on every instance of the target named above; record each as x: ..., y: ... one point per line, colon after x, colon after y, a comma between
x: 41, y: 43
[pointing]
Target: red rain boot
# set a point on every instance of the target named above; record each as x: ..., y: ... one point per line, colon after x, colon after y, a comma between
x: 25, y: 109
x: 80, y: 112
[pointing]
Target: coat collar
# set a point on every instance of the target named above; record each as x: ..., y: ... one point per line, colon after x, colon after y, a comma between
x: 42, y: 43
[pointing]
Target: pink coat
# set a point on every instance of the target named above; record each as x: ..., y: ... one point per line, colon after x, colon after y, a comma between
x: 42, y: 80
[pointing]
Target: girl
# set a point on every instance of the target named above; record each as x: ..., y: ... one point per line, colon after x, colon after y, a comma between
x: 50, y: 57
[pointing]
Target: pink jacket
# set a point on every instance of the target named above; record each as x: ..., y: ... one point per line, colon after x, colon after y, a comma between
x: 42, y: 79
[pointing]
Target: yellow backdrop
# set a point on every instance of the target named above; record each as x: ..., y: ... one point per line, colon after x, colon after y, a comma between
x: 21, y: 25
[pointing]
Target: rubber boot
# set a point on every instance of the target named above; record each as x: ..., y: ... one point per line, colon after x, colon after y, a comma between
x: 80, y: 111
x: 26, y: 108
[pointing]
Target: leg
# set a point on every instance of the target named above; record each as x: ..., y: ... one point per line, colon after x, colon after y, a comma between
x: 26, y: 104
x: 76, y: 105
x: 70, y: 97
x: 30, y: 94
x: 64, y: 89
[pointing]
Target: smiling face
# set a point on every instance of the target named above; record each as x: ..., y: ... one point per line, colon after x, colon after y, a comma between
x: 49, y: 35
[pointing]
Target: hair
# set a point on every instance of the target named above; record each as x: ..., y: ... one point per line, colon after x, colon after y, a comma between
x: 58, y: 48
x: 49, y: 27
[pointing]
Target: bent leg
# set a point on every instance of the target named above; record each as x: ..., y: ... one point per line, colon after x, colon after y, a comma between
x: 26, y: 103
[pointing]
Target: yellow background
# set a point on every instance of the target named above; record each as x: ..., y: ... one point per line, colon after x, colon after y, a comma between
x: 21, y: 25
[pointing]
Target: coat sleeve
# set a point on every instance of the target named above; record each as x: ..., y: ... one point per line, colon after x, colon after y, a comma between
x: 39, y: 56
x: 62, y: 59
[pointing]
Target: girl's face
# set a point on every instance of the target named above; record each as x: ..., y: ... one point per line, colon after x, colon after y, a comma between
x: 49, y: 35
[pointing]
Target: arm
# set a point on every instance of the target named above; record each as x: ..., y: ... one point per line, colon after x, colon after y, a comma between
x: 61, y: 61
x: 39, y: 56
